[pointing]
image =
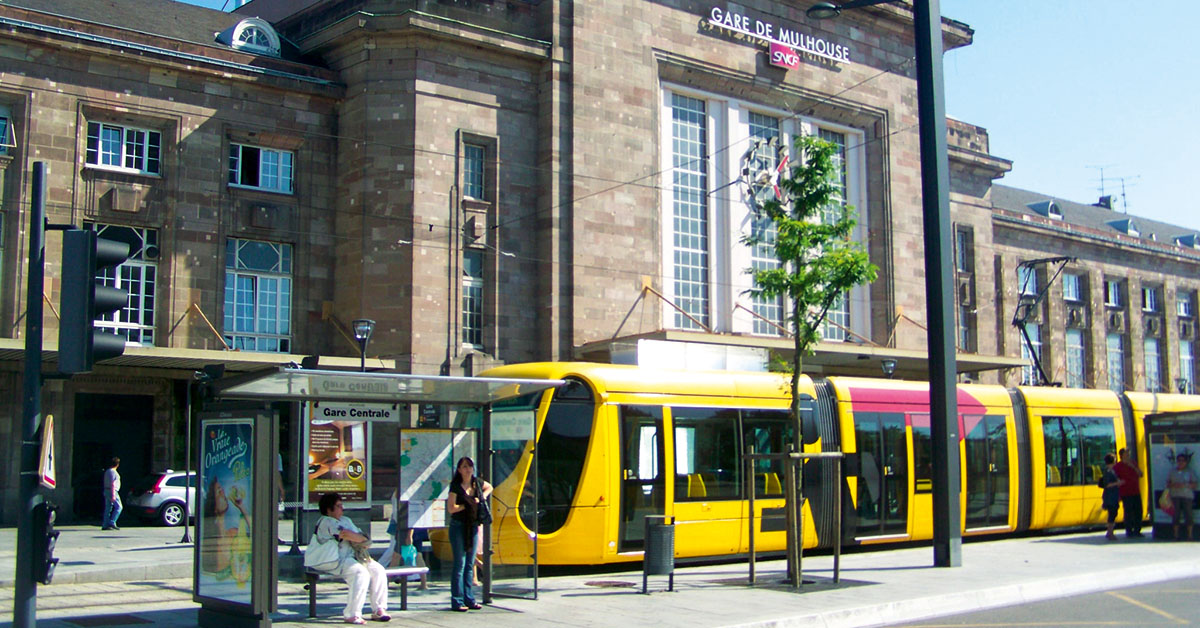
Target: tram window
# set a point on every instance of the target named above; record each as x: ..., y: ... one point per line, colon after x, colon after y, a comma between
x: 707, y: 460
x: 1098, y: 438
x: 1073, y: 445
x: 769, y: 432
x: 562, y: 449
x: 922, y: 453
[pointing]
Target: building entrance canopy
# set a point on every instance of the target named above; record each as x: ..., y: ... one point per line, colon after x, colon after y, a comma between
x: 295, y: 384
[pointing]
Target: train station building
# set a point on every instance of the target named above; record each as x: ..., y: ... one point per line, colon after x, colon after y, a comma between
x: 502, y: 181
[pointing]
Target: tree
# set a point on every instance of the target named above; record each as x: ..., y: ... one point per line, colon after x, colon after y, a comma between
x: 818, y: 262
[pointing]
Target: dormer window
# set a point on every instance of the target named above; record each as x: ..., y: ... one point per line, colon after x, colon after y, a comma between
x: 1049, y: 209
x: 251, y: 35
x: 1189, y: 241
x: 1126, y: 226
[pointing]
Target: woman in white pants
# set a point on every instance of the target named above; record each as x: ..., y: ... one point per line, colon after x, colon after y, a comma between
x: 355, y: 565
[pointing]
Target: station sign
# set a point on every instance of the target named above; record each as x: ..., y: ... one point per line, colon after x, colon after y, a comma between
x: 786, y: 44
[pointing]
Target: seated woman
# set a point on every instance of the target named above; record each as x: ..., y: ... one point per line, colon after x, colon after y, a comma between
x: 355, y: 564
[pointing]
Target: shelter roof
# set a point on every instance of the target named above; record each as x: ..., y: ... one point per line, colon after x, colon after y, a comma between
x: 294, y: 384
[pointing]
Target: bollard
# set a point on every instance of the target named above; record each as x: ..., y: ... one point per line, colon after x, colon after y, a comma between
x: 658, y: 559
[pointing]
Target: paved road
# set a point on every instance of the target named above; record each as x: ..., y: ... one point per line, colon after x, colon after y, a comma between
x: 1172, y: 603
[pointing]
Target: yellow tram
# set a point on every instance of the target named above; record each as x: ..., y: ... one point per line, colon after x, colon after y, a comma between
x: 618, y: 443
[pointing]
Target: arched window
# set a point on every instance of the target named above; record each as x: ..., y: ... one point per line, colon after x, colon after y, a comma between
x: 253, y: 35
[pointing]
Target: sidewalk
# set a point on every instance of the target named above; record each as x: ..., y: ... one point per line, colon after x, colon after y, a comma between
x: 877, y: 588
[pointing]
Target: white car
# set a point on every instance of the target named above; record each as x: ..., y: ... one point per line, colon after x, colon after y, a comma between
x: 163, y: 499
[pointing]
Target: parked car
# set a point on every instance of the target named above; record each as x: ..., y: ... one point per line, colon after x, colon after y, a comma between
x: 160, y: 498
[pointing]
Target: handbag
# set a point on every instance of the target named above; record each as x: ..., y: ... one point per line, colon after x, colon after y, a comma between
x: 321, y: 556
x: 1165, y: 503
x: 484, y: 515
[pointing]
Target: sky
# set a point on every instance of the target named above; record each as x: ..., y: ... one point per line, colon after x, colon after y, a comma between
x: 1073, y: 91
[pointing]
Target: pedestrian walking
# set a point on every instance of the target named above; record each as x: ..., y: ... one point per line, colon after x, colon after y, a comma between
x: 1131, y: 493
x: 112, y: 496
x: 1181, y: 483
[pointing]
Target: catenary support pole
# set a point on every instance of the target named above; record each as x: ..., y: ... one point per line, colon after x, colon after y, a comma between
x: 25, y: 595
x: 939, y: 301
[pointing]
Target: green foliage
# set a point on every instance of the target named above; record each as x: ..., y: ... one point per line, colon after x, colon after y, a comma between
x: 818, y: 260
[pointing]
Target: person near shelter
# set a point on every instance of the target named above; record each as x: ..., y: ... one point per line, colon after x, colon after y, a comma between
x: 355, y: 564
x: 1181, y: 483
x: 466, y: 491
x: 1111, y: 499
x: 112, y: 496
x: 1131, y: 493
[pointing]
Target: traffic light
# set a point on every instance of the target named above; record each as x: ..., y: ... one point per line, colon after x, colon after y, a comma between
x: 44, y: 539
x: 84, y: 299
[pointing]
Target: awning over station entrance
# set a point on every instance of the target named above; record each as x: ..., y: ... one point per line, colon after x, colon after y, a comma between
x: 294, y: 384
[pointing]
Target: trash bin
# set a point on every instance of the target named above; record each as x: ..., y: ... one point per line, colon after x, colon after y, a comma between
x: 658, y: 559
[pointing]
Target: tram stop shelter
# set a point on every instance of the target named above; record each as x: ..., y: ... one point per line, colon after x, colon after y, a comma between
x: 235, y: 557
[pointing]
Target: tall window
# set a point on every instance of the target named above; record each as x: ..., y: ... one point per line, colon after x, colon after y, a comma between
x: 123, y: 148
x: 964, y: 250
x: 472, y: 305
x: 1072, y: 287
x: 1187, y: 366
x: 1027, y: 281
x: 260, y: 168
x: 689, y: 134
x: 1029, y: 374
x: 1076, y: 359
x: 473, y: 173
x: 6, y: 130
x: 1151, y: 299
x: 258, y: 295
x: 837, y: 319
x: 707, y: 267
x: 1183, y: 303
x: 1112, y: 293
x: 1116, y: 362
x: 762, y: 255
x: 1153, y: 364
x: 136, y: 275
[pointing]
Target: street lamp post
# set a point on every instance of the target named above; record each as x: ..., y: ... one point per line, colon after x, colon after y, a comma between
x: 363, y: 328
x: 935, y: 195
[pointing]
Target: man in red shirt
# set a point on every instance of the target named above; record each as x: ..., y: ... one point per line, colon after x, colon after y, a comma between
x: 1131, y: 494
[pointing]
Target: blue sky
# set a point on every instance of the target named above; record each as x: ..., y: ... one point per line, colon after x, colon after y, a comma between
x: 1067, y: 88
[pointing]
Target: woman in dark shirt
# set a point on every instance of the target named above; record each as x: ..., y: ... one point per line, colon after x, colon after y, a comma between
x: 1111, y: 498
x: 466, y: 491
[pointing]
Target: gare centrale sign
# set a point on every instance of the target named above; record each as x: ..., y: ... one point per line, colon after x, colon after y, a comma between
x: 784, y: 42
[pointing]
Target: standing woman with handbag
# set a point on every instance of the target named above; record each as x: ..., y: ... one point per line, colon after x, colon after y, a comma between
x: 463, y: 504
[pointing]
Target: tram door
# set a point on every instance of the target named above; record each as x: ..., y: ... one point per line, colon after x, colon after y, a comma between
x: 883, y: 474
x: 643, y: 478
x: 987, y: 470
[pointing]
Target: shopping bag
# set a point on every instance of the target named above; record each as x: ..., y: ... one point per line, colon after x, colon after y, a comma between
x: 408, y: 555
x: 1165, y: 504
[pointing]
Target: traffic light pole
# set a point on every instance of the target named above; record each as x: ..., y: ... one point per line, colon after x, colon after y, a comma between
x: 25, y: 596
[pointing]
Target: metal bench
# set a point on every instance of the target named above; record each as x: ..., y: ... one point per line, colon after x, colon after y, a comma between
x: 394, y: 574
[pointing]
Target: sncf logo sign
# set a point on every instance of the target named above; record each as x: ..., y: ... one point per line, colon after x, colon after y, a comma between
x: 783, y: 56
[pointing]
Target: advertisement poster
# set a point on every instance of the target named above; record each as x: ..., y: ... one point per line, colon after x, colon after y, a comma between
x: 338, y: 451
x: 226, y: 495
x: 427, y: 458
x: 1163, y: 450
